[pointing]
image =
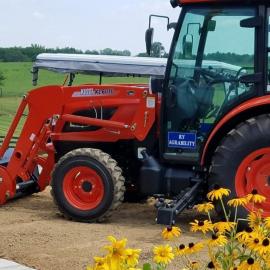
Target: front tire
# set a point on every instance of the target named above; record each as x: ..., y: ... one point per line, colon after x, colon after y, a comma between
x: 87, y: 185
x: 242, y: 163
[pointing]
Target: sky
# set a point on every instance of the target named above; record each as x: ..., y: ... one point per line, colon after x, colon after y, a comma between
x: 84, y: 24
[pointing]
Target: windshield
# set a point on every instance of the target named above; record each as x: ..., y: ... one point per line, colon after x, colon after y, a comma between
x: 212, y: 52
x: 213, y: 38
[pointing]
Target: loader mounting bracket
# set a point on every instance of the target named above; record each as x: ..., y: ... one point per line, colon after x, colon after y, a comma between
x: 167, y: 211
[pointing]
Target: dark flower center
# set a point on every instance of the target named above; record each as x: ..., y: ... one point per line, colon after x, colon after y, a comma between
x: 200, y: 223
x: 256, y: 241
x: 250, y: 261
x: 214, y: 237
x: 254, y: 192
x: 191, y: 245
x: 265, y: 242
x: 169, y: 229
x: 210, y: 265
x: 181, y: 246
x: 248, y: 230
x: 216, y: 187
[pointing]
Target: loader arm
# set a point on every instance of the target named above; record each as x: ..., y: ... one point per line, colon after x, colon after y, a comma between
x: 51, y: 108
x: 31, y: 148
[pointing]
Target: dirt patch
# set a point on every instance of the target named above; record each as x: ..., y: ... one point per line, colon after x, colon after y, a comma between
x: 34, y: 234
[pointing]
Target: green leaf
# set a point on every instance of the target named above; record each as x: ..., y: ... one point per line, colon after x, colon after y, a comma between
x: 147, y: 266
x: 160, y: 267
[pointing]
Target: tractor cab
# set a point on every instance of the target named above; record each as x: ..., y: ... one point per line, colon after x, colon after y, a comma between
x: 215, y: 81
x: 217, y: 61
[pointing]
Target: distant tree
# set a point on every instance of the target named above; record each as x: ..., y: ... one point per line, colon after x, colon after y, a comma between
x: 143, y: 55
x: 126, y: 53
x: 157, y: 50
x: 94, y: 52
x: 109, y: 51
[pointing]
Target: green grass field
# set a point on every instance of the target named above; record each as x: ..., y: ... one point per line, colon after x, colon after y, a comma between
x: 19, y: 81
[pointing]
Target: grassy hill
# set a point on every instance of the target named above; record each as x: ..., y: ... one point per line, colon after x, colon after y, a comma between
x: 19, y: 81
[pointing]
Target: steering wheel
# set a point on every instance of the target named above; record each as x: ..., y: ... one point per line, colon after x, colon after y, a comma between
x: 209, y: 75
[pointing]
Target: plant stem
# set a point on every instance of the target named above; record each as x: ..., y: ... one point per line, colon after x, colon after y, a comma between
x: 223, y: 207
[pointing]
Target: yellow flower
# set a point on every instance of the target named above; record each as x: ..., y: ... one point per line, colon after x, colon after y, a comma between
x: 217, y: 240
x: 238, y: 202
x: 213, y: 265
x: 254, y: 242
x: 202, y: 226
x: 181, y: 250
x: 222, y: 227
x: 163, y: 254
x: 254, y: 219
x: 254, y: 197
x: 194, y: 248
x: 116, y: 251
x: 267, y: 222
x: 243, y: 236
x: 171, y: 232
x: 217, y: 193
x: 194, y: 265
x: 249, y: 264
x: 204, y: 207
x: 264, y: 247
x: 132, y: 257
x: 100, y: 264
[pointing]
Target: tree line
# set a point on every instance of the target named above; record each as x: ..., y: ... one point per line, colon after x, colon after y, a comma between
x: 29, y: 54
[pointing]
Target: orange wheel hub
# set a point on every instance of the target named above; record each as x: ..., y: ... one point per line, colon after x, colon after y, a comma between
x: 254, y: 174
x: 83, y: 188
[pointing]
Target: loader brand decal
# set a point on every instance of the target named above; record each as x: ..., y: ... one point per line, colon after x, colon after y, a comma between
x: 90, y: 92
x: 182, y: 140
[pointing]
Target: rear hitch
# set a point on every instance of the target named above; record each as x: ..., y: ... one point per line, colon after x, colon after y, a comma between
x: 167, y: 211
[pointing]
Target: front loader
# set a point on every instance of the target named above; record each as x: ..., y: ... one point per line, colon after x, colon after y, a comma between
x: 202, y: 122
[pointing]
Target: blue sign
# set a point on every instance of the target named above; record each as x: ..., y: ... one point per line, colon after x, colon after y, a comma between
x: 182, y: 140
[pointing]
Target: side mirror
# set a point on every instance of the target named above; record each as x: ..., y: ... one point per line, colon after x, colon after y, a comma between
x: 187, y: 46
x: 149, y: 34
x: 212, y: 26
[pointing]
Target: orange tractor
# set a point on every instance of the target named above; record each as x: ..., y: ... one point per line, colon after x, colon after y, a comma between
x: 205, y: 122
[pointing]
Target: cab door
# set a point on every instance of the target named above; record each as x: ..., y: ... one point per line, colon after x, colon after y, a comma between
x: 211, y: 54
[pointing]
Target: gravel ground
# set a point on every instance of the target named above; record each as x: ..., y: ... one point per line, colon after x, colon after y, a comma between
x: 33, y: 233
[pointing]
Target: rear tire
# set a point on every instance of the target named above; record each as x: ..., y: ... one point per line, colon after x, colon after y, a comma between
x: 242, y: 163
x: 87, y: 185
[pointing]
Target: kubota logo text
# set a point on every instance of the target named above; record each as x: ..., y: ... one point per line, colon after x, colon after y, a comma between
x: 89, y: 92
